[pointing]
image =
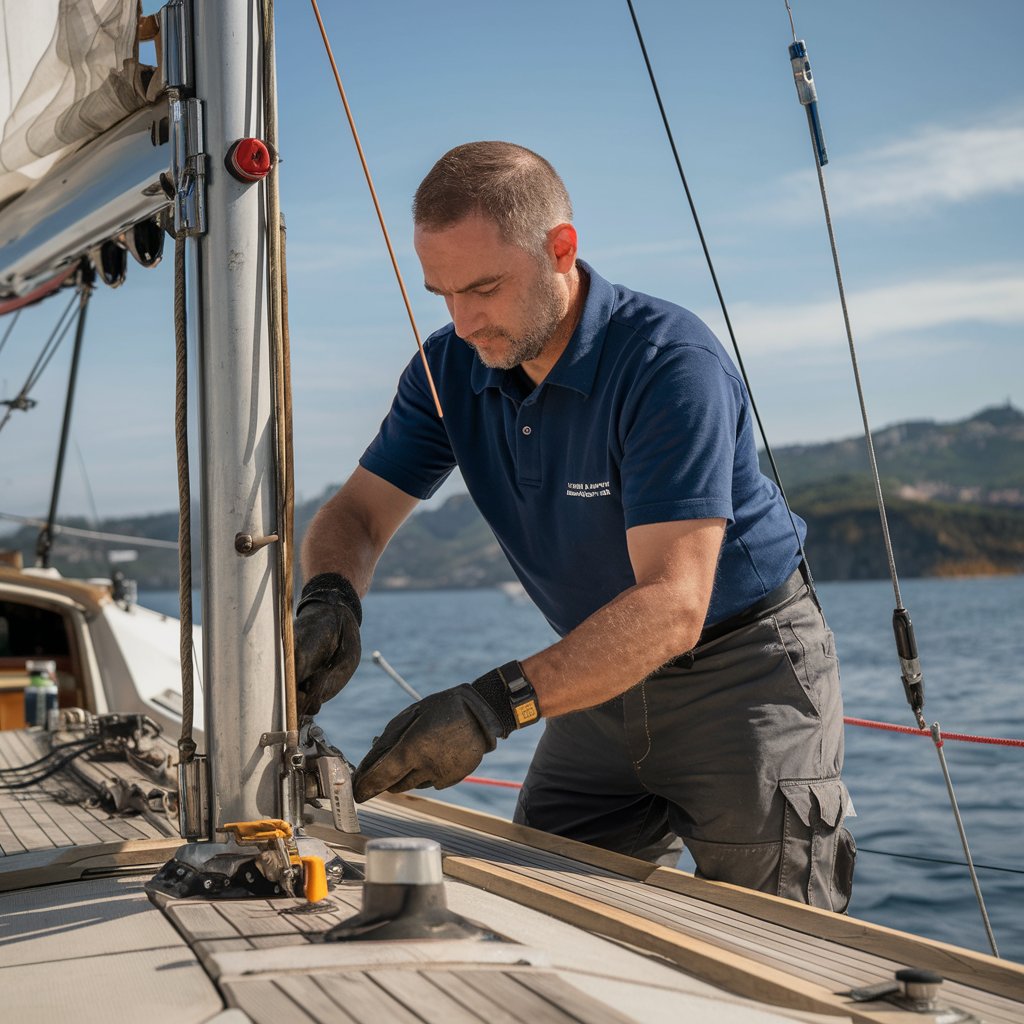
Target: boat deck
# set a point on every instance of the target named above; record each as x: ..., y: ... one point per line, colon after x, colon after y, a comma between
x: 592, y: 936
x: 56, y: 813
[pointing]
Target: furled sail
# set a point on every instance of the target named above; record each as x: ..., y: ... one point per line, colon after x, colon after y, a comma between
x: 72, y: 71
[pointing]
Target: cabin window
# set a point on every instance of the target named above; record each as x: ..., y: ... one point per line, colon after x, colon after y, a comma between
x: 28, y: 633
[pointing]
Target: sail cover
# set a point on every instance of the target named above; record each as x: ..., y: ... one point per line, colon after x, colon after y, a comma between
x: 69, y: 70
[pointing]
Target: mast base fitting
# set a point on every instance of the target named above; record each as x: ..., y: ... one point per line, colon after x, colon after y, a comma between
x: 404, y: 897
x: 229, y: 871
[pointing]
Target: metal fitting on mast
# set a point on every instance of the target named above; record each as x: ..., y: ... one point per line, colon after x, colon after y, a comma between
x: 188, y: 156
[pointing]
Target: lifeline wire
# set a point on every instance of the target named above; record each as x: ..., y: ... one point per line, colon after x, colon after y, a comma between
x: 479, y: 780
x: 718, y: 290
x: 74, y: 531
x: 908, y: 657
x: 376, y: 205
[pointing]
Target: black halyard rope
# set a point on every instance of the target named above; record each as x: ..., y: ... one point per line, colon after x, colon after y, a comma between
x: 718, y: 290
x: 913, y: 679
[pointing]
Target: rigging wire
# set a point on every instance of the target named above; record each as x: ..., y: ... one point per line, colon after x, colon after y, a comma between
x: 10, y: 327
x: 718, y: 290
x: 85, y: 287
x: 57, y: 336
x: 913, y: 678
x: 186, y: 742
x: 376, y: 204
x: 74, y: 531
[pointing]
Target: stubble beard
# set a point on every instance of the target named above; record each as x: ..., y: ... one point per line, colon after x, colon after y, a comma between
x: 548, y: 310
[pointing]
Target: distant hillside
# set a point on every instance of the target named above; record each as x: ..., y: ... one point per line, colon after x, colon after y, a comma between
x: 979, y: 460
x: 954, y: 493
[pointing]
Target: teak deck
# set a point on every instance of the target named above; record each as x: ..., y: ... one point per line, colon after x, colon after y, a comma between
x: 593, y: 936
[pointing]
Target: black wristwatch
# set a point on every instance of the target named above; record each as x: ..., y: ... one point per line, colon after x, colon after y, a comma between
x: 521, y: 694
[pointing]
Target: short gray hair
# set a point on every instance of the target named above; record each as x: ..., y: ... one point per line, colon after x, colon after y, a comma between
x: 513, y: 186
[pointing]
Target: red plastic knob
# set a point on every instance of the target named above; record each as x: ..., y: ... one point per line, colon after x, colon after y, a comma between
x: 249, y: 160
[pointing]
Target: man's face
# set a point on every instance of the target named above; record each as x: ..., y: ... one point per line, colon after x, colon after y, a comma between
x: 505, y: 302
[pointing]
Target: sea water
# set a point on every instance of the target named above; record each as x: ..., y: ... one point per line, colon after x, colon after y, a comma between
x: 971, y: 637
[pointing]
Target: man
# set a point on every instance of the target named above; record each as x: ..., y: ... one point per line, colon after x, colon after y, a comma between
x: 607, y: 439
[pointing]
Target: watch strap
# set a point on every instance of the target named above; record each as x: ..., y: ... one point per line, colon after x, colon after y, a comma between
x: 521, y: 694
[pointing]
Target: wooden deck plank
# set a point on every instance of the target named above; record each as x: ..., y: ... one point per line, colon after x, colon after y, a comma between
x: 502, y: 989
x: 77, y: 824
x: 479, y: 1003
x: 19, y: 822
x: 364, y: 1000
x: 265, y: 1003
x: 558, y: 992
x: 9, y: 842
x: 964, y: 966
x: 259, y: 919
x: 199, y: 921
x: 315, y: 1001
x: 39, y: 811
x: 432, y: 1004
x: 776, y: 947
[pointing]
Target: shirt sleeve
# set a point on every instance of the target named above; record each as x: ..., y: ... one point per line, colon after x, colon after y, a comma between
x: 411, y: 449
x: 679, y: 430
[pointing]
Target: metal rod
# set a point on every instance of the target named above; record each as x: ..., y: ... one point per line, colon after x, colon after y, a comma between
x: 937, y: 740
x: 45, y: 540
x: 381, y: 662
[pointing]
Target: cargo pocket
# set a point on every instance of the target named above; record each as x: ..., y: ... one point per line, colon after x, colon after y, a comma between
x: 817, y: 852
x: 752, y: 865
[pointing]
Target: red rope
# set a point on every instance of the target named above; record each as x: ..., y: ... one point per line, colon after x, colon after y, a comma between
x: 480, y: 781
x: 963, y: 737
x: 866, y: 723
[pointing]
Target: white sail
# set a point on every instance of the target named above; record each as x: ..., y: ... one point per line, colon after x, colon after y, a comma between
x: 72, y: 71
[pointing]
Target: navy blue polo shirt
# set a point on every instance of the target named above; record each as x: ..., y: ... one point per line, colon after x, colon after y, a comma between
x: 643, y: 419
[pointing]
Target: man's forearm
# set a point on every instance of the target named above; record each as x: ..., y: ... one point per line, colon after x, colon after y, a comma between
x: 351, y: 530
x: 337, y: 541
x: 616, y: 647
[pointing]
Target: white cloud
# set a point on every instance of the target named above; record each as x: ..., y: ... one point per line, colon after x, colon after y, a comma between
x: 935, y: 165
x: 992, y: 296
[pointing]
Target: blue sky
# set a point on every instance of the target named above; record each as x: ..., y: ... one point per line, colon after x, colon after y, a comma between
x: 923, y: 108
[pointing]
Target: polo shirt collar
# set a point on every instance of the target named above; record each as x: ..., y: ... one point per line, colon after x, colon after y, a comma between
x: 577, y: 365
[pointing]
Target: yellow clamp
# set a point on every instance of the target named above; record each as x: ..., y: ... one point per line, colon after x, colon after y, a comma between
x: 262, y: 831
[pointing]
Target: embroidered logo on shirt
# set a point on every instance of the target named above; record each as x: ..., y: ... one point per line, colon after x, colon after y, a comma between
x: 601, y: 489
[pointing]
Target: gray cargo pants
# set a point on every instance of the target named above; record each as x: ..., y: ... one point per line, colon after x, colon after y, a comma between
x: 739, y: 756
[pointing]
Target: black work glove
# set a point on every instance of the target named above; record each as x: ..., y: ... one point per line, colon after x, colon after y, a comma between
x: 327, y: 648
x: 437, y: 741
